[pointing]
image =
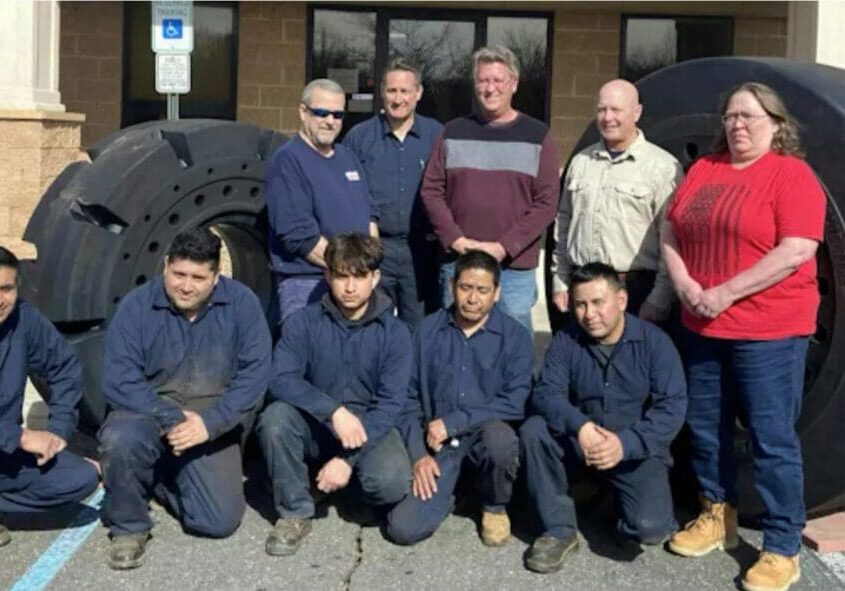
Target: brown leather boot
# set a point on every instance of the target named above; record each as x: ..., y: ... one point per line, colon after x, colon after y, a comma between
x: 772, y: 572
x: 714, y: 528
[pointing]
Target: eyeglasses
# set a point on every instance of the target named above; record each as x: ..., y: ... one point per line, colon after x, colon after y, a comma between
x: 323, y: 113
x: 497, y: 82
x: 748, y: 118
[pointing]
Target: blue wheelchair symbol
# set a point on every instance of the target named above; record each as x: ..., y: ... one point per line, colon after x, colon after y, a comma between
x: 171, y: 28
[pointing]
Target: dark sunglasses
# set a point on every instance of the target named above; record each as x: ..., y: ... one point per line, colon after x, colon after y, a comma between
x: 323, y: 113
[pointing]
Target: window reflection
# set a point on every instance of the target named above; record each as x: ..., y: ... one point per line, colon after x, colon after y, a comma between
x: 528, y: 39
x: 654, y: 43
x: 443, y: 52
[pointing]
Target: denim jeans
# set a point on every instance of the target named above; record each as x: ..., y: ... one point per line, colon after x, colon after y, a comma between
x: 292, y: 441
x: 641, y: 486
x: 295, y: 292
x: 766, y: 380
x: 517, y: 297
x: 203, y: 487
x: 493, y: 449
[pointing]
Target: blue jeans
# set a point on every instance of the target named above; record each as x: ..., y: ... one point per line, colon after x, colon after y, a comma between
x: 766, y: 380
x: 294, y: 292
x: 493, y: 449
x: 518, y: 295
x: 291, y: 441
x: 203, y: 487
x: 641, y: 486
x: 27, y: 487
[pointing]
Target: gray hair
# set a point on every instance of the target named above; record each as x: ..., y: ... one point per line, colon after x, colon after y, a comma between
x: 495, y: 54
x: 320, y: 84
x: 400, y: 64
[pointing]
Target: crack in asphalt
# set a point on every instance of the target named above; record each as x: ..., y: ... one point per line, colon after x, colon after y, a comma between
x: 359, y: 557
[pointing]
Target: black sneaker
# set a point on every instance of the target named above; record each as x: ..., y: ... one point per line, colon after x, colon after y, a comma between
x: 127, y: 551
x: 547, y: 554
x: 286, y: 536
x: 5, y: 536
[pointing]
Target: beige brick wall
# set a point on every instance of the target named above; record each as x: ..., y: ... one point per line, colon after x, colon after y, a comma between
x: 586, y: 55
x: 271, y: 64
x: 34, y: 149
x: 760, y: 37
x: 91, y: 65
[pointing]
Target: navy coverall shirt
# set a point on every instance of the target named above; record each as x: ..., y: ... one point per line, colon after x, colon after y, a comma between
x: 394, y: 170
x: 466, y: 381
x: 640, y: 395
x: 29, y: 343
x: 323, y: 362
x: 157, y: 362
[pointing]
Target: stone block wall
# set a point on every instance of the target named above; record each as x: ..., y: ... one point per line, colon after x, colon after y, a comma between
x: 271, y: 63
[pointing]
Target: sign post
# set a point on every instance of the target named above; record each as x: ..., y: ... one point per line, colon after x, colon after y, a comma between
x: 173, y: 42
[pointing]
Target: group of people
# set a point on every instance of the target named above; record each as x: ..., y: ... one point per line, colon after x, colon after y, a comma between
x: 404, y: 261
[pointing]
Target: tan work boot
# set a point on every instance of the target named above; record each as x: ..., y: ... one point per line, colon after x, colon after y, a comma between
x: 714, y: 528
x: 772, y: 572
x: 495, y: 528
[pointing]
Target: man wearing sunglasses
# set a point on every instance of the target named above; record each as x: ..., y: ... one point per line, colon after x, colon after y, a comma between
x: 315, y: 190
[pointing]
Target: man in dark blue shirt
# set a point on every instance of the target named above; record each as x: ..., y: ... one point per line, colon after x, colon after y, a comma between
x: 315, y: 190
x: 393, y: 148
x: 340, y: 383
x: 36, y: 472
x: 187, y: 358
x: 611, y: 398
x: 471, y: 378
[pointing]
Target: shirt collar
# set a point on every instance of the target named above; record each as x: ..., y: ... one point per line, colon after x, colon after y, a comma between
x: 385, y: 125
x: 495, y: 323
x: 634, y: 151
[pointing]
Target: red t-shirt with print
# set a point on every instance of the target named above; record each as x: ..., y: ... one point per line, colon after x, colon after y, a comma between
x: 725, y: 220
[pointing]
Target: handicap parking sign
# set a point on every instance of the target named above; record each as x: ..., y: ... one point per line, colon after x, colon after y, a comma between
x: 171, y: 28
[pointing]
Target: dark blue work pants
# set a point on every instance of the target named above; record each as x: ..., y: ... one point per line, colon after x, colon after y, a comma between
x: 203, y: 487
x: 641, y: 486
x: 293, y: 441
x: 27, y: 487
x: 493, y: 449
x: 409, y: 277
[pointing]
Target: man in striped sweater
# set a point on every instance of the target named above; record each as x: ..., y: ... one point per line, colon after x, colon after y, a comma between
x: 492, y: 184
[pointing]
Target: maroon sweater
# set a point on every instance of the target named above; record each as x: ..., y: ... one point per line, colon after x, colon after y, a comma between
x: 494, y: 183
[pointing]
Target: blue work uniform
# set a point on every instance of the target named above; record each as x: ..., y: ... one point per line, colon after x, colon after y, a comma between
x: 158, y: 364
x: 310, y: 195
x: 476, y: 385
x: 635, y: 389
x: 394, y: 170
x: 324, y: 361
x: 30, y: 344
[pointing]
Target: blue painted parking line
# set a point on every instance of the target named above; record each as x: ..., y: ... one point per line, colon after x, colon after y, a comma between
x: 63, y: 547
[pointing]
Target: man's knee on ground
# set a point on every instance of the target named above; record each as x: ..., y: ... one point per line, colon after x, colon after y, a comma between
x: 647, y: 530
x: 406, y: 528
x: 221, y: 524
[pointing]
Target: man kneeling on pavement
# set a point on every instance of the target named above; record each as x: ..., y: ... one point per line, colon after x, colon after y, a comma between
x: 187, y: 358
x: 340, y: 383
x: 471, y: 377
x: 611, y: 397
x: 36, y: 471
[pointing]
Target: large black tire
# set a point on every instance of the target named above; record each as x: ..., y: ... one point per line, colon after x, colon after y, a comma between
x: 680, y: 114
x: 102, y: 227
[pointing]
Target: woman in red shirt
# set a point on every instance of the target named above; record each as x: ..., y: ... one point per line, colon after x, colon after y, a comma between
x: 739, y: 242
